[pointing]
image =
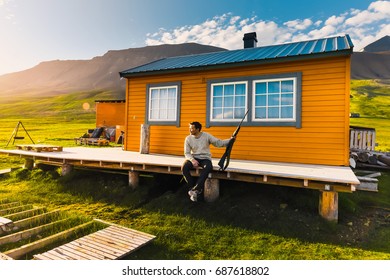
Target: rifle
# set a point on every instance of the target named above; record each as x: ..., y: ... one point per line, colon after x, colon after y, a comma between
x: 229, y: 147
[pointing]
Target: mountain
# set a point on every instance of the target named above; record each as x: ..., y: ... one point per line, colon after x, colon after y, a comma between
x: 381, y: 45
x: 53, y: 78
x: 373, y: 62
x: 63, y: 76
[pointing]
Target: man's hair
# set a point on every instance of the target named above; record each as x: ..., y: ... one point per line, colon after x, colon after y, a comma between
x: 197, y: 125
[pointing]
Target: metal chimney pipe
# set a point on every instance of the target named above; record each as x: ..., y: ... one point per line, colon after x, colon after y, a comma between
x: 250, y: 40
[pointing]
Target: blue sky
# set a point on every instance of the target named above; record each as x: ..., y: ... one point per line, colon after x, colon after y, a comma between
x: 32, y: 31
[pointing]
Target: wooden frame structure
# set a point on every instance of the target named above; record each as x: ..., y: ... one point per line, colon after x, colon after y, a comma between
x: 329, y: 180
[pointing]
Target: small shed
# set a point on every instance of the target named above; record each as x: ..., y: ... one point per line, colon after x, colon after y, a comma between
x: 111, y: 114
x: 297, y: 95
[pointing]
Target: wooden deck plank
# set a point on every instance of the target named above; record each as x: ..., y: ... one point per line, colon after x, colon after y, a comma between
x: 130, y: 232
x: 4, y: 257
x: 76, y: 253
x: 123, y: 235
x: 127, y: 237
x: 122, y: 248
x: 107, y: 252
x: 117, y: 158
x: 92, y: 240
x: 91, y: 247
x: 109, y: 243
x: 41, y: 257
x: 90, y: 250
x: 54, y: 256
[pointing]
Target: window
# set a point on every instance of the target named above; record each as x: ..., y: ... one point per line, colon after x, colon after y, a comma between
x: 163, y: 104
x: 274, y: 100
x: 228, y: 101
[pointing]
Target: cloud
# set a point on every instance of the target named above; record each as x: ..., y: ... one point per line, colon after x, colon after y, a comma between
x: 334, y: 20
x: 376, y: 11
x: 227, y: 30
x: 299, y: 24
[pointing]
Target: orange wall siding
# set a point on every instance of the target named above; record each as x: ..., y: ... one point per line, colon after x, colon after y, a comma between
x: 323, y: 138
x: 110, y: 113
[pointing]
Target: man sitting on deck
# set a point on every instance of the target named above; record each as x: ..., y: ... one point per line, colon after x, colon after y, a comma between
x: 197, y: 154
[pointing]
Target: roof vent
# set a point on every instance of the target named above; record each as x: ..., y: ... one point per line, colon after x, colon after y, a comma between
x: 250, y: 40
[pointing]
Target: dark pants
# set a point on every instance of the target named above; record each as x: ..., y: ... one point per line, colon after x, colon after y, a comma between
x: 207, y: 166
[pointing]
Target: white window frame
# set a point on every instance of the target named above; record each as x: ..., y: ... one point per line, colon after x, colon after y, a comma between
x: 279, y: 106
x: 234, y: 83
x: 166, y: 105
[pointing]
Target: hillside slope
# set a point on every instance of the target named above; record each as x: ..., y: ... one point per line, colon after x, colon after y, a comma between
x: 63, y: 76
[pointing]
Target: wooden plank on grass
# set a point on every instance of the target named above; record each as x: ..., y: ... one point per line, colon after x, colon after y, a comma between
x: 113, y: 242
x: 15, y: 209
x: 25, y: 214
x: 9, y: 205
x: 25, y: 249
x: 21, y: 224
x: 5, y: 171
x: 15, y: 237
x: 4, y: 257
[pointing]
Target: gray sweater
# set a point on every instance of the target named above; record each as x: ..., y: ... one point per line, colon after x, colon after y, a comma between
x: 199, y: 147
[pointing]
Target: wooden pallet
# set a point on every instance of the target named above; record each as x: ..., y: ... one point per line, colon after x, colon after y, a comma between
x: 98, y: 142
x: 40, y: 148
x: 92, y: 141
x: 113, y: 242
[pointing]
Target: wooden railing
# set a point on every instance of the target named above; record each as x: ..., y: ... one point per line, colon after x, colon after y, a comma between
x: 362, y: 138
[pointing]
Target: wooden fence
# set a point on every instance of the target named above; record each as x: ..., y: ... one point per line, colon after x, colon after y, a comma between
x: 362, y: 138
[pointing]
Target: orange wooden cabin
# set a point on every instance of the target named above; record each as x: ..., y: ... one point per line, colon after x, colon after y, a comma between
x: 297, y: 95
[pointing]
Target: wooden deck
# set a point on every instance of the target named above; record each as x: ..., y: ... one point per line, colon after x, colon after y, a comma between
x: 111, y: 243
x: 321, y: 177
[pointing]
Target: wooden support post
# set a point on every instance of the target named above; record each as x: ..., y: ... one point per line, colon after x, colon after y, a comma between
x: 211, y: 189
x: 28, y: 164
x: 145, y: 139
x: 66, y: 169
x: 329, y: 205
x: 133, y: 179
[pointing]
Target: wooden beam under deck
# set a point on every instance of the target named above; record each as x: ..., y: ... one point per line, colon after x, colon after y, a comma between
x: 318, y: 177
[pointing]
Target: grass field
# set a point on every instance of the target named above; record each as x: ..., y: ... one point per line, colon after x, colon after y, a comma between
x: 249, y: 221
x: 371, y: 100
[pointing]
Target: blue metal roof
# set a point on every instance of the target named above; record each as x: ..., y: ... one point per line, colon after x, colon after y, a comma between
x: 323, y: 46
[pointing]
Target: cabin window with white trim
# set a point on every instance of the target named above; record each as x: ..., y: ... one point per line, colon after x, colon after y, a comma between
x: 163, y: 104
x: 228, y: 101
x: 274, y: 100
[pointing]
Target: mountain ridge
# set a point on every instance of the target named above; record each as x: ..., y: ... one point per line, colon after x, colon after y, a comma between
x: 100, y: 72
x: 51, y: 78
x: 373, y: 62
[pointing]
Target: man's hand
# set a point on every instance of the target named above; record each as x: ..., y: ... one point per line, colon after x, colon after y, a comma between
x: 195, y: 163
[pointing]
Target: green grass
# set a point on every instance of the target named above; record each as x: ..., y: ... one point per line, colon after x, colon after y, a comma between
x: 247, y: 222
x: 55, y: 120
x: 371, y: 99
